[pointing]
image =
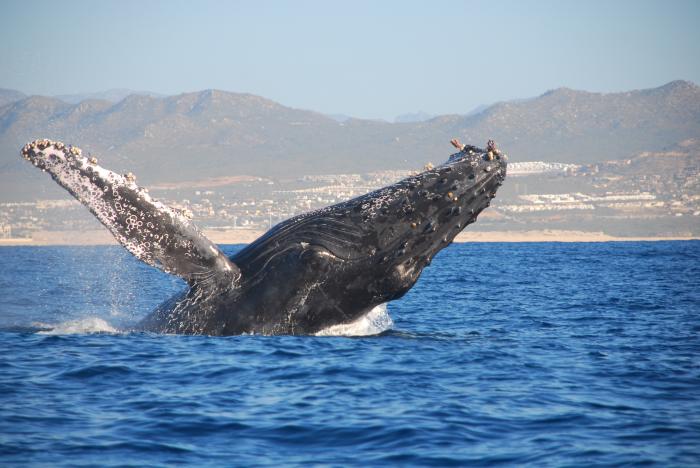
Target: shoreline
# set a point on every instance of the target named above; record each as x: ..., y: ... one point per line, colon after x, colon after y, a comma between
x: 246, y: 236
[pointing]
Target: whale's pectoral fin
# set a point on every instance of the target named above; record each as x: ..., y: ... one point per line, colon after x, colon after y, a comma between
x: 155, y: 233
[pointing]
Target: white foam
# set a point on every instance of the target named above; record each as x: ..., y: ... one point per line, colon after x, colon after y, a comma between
x: 373, y: 322
x: 77, y: 327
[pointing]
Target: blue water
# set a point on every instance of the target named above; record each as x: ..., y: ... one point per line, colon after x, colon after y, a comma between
x: 522, y: 354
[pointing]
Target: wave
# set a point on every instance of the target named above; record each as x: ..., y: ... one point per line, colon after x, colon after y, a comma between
x: 374, y: 322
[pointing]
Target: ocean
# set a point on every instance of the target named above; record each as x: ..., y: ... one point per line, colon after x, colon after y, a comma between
x: 539, y: 354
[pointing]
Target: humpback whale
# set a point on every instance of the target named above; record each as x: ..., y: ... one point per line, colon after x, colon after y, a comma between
x: 319, y: 269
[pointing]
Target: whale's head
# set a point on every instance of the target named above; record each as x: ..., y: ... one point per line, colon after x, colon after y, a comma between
x: 425, y: 212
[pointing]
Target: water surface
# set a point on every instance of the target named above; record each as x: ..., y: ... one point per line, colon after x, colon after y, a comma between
x: 522, y: 354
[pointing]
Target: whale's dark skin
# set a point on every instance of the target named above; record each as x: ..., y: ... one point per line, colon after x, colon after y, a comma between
x: 308, y: 273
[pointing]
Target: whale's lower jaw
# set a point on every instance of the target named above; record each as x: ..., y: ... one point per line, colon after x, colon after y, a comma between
x: 310, y: 273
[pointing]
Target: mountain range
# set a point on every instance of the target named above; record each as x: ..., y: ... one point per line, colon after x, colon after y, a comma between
x: 215, y: 133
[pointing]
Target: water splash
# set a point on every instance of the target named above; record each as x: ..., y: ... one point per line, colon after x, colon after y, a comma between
x: 373, y: 322
x: 78, y: 327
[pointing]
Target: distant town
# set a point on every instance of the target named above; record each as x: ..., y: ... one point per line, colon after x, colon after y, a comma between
x: 588, y: 198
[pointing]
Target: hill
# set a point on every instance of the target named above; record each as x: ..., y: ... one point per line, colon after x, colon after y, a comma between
x: 216, y: 133
x: 571, y: 126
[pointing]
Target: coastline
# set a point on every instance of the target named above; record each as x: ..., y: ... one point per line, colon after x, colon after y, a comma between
x: 246, y: 236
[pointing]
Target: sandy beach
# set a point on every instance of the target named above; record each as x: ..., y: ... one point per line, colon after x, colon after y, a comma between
x: 245, y: 236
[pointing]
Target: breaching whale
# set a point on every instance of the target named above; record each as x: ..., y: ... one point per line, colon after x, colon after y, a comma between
x: 319, y: 269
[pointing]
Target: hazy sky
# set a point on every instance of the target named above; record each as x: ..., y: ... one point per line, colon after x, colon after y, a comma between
x: 362, y: 58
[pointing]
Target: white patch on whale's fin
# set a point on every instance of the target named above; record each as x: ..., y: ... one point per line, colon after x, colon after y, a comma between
x: 155, y: 233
